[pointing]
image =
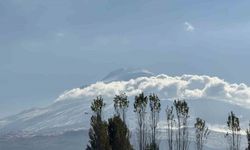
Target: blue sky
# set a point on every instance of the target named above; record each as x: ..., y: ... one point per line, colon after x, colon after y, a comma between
x: 49, y: 46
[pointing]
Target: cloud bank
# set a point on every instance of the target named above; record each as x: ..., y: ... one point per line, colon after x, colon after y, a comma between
x: 167, y: 87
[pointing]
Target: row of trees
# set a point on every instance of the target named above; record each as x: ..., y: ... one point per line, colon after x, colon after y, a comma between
x: 111, y: 135
x: 115, y: 135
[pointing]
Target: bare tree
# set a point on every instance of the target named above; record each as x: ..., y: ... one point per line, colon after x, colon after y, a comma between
x: 140, y: 105
x: 182, y: 114
x: 248, y: 137
x: 201, y: 132
x: 155, y: 107
x: 121, y: 104
x: 170, y: 125
x: 233, y: 136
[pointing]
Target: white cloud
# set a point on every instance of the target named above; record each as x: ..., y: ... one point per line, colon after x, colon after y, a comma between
x: 189, y: 27
x: 167, y: 87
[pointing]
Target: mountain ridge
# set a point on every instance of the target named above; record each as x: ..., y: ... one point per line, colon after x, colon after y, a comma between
x: 72, y: 111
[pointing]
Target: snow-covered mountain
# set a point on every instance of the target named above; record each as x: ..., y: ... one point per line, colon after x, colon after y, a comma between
x: 211, y: 98
x: 125, y: 74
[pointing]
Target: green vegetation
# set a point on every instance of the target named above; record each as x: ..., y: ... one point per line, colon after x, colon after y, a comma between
x: 118, y: 134
x: 114, y: 134
x: 121, y: 104
x: 99, y: 139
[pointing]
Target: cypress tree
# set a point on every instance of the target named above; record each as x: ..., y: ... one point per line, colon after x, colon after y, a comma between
x: 118, y: 134
x: 98, y: 133
x: 97, y: 106
x: 98, y: 136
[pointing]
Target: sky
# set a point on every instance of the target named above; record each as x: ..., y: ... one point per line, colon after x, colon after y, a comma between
x: 49, y: 46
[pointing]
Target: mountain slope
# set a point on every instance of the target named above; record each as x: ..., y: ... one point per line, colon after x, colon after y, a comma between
x: 208, y: 97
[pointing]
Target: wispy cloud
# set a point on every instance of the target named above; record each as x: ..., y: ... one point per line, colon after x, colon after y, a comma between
x: 189, y: 27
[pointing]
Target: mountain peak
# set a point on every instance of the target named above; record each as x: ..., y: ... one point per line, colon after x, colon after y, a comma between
x: 125, y: 74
